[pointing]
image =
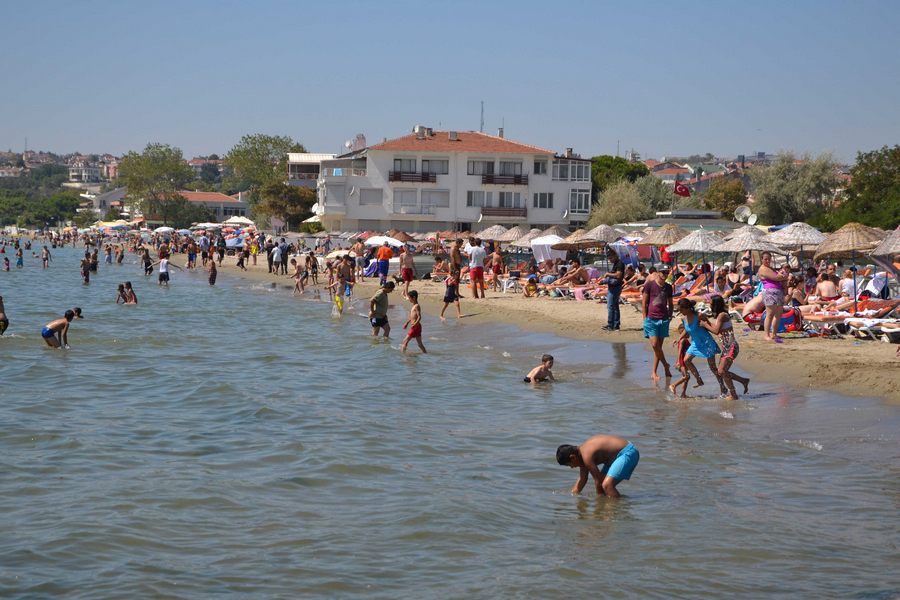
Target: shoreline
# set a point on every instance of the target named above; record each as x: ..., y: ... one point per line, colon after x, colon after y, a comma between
x: 850, y: 367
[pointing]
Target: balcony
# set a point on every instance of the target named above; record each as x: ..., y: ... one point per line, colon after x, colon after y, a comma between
x: 412, y: 209
x: 504, y: 179
x: 343, y: 172
x: 412, y: 177
x: 506, y: 213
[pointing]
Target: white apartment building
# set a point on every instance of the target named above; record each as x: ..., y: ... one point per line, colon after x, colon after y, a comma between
x: 466, y: 181
x: 303, y: 168
x: 84, y: 173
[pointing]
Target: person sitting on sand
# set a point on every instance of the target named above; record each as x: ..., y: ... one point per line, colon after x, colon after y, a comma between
x: 541, y: 372
x: 441, y: 267
x: 531, y: 288
x: 617, y: 455
x: 56, y: 333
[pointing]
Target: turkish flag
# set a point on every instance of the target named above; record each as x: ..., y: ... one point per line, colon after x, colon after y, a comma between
x: 682, y: 190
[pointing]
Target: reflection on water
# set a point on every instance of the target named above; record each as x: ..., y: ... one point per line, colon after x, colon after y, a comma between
x: 240, y: 440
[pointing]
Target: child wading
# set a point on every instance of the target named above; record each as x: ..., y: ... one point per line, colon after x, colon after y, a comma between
x: 541, y: 372
x: 414, y: 323
x: 617, y: 455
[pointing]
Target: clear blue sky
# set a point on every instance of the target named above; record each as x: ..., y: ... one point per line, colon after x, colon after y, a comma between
x: 662, y: 77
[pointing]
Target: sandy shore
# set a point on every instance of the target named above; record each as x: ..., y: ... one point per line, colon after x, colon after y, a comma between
x: 847, y: 366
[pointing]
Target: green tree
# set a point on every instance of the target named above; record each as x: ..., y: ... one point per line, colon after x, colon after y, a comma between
x: 85, y: 218
x: 209, y: 174
x: 259, y: 160
x: 607, y: 170
x: 657, y: 194
x: 291, y: 203
x: 794, y: 190
x: 873, y: 196
x: 620, y: 203
x: 725, y: 195
x: 154, y: 177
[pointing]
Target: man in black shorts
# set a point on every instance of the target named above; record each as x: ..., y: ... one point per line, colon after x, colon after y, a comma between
x: 378, y: 308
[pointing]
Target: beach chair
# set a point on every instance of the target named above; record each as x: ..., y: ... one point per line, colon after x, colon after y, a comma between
x: 867, y: 328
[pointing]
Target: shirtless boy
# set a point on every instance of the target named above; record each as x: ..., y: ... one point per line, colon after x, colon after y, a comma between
x: 4, y: 321
x: 617, y: 456
x: 407, y: 270
x: 541, y: 372
x: 414, y: 323
x: 56, y: 333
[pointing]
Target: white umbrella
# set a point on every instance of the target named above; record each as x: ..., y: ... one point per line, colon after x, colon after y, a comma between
x: 236, y: 220
x: 163, y: 230
x: 379, y: 240
x: 542, y: 247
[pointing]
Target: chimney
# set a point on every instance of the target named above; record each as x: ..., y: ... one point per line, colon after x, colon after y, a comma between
x: 568, y: 152
x: 453, y: 136
x: 500, y: 132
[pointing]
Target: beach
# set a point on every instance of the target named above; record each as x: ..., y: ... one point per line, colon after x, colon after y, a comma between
x: 846, y: 366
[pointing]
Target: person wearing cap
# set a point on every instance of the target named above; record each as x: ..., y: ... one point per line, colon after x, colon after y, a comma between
x: 378, y: 309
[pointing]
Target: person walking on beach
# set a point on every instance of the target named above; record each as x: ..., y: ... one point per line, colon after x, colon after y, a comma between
x: 359, y: 248
x: 276, y: 258
x: 191, y: 255
x: 721, y: 326
x: 378, y: 309
x: 658, y: 309
x: 451, y: 294
x: 220, y: 248
x: 56, y: 333
x: 773, y: 295
x: 384, y: 256
x: 204, y: 249
x: 283, y: 246
x: 614, y: 278
x: 616, y: 455
x: 496, y: 267
x: 477, y: 255
x: 298, y: 277
x: 407, y: 270
x: 702, y: 345
x: 268, y: 248
x: 45, y: 258
x: 414, y: 323
x: 4, y: 321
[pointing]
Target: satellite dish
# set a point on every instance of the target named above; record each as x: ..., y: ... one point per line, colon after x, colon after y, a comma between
x: 348, y: 144
x: 480, y: 217
x: 353, y: 191
x: 752, y: 219
x: 742, y: 213
x: 565, y: 213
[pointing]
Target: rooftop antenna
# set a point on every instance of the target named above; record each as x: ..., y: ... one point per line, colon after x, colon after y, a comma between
x: 481, y: 128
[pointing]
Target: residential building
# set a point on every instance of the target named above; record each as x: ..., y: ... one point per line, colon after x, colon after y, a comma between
x: 303, y: 168
x: 12, y: 171
x: 111, y: 199
x: 83, y: 172
x: 197, y: 165
x: 220, y: 206
x: 462, y: 180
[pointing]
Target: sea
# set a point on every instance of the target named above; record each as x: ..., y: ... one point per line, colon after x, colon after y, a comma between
x: 239, y: 441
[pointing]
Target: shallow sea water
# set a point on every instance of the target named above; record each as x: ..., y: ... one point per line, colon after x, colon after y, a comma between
x: 235, y: 440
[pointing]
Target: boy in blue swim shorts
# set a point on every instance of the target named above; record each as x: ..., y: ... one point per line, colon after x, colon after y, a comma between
x: 608, y: 458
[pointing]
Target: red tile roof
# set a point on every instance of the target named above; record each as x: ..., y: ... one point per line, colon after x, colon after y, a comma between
x: 206, y: 197
x: 468, y: 141
x: 651, y: 163
x: 678, y: 171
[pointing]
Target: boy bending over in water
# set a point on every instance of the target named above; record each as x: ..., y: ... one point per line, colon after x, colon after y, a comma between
x: 414, y: 323
x: 617, y: 455
x: 541, y: 372
x: 56, y: 333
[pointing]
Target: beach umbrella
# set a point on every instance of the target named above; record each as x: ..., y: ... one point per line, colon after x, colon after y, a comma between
x: 603, y: 233
x: 890, y: 247
x: 512, y: 234
x: 379, y: 240
x: 664, y: 236
x: 575, y: 241
x: 555, y: 230
x: 749, y: 238
x: 848, y: 241
x: 236, y: 220
x: 163, y: 230
x: 701, y: 240
x: 544, y: 247
x: 341, y: 253
x: 403, y: 237
x: 493, y: 233
x: 183, y: 231
x: 525, y: 240
x: 795, y: 236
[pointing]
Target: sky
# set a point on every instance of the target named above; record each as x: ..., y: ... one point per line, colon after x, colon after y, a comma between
x: 663, y: 78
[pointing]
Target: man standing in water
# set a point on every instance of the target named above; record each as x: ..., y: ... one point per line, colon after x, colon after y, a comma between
x: 378, y: 309
x: 56, y: 333
x: 617, y: 455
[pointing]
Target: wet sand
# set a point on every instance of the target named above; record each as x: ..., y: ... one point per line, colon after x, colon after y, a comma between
x: 847, y: 366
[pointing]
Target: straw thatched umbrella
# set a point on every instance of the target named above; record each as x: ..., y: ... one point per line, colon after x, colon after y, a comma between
x: 573, y: 241
x: 890, y: 247
x: 701, y: 240
x: 796, y: 236
x: 492, y: 233
x: 512, y: 235
x: 603, y: 233
x: 748, y: 238
x: 847, y: 242
x: 664, y: 236
x: 555, y: 230
x: 525, y: 240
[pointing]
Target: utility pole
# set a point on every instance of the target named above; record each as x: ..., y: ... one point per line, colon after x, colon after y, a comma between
x: 617, y: 148
x: 481, y: 128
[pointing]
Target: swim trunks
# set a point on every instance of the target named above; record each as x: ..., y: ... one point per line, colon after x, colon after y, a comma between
x: 4, y: 323
x: 163, y: 277
x: 626, y: 460
x: 415, y: 331
x: 476, y: 273
x: 46, y: 333
x: 406, y: 274
x: 497, y: 269
x: 378, y: 321
x: 658, y: 328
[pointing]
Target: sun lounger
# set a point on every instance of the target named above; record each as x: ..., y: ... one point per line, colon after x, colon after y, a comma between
x: 867, y: 328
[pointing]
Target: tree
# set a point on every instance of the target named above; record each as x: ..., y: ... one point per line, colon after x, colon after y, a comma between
x: 620, y: 203
x: 259, y: 160
x: 154, y: 177
x: 607, y: 170
x: 288, y: 202
x: 725, y: 195
x: 794, y: 190
x: 873, y: 196
x: 656, y: 193
x: 209, y: 173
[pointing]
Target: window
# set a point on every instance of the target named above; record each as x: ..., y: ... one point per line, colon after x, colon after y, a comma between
x: 560, y: 170
x: 370, y: 196
x: 540, y: 167
x: 580, y: 171
x: 580, y: 201
x: 436, y: 167
x: 405, y: 201
x: 436, y: 198
x: 479, y: 198
x: 543, y: 200
x: 510, y: 200
x: 481, y: 167
x: 571, y: 170
x: 233, y: 212
x: 510, y: 168
x: 405, y: 165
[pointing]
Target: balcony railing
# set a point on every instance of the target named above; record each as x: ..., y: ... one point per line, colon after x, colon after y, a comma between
x: 343, y: 172
x: 412, y: 177
x: 505, y: 179
x: 495, y: 211
x: 413, y: 209
x: 296, y: 176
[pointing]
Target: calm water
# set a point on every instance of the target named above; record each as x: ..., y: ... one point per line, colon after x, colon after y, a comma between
x: 237, y: 440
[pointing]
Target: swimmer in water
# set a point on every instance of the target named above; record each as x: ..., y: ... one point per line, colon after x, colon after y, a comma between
x: 121, y: 297
x: 541, y: 372
x: 4, y: 322
x: 130, y: 296
x: 617, y: 456
x: 56, y: 333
